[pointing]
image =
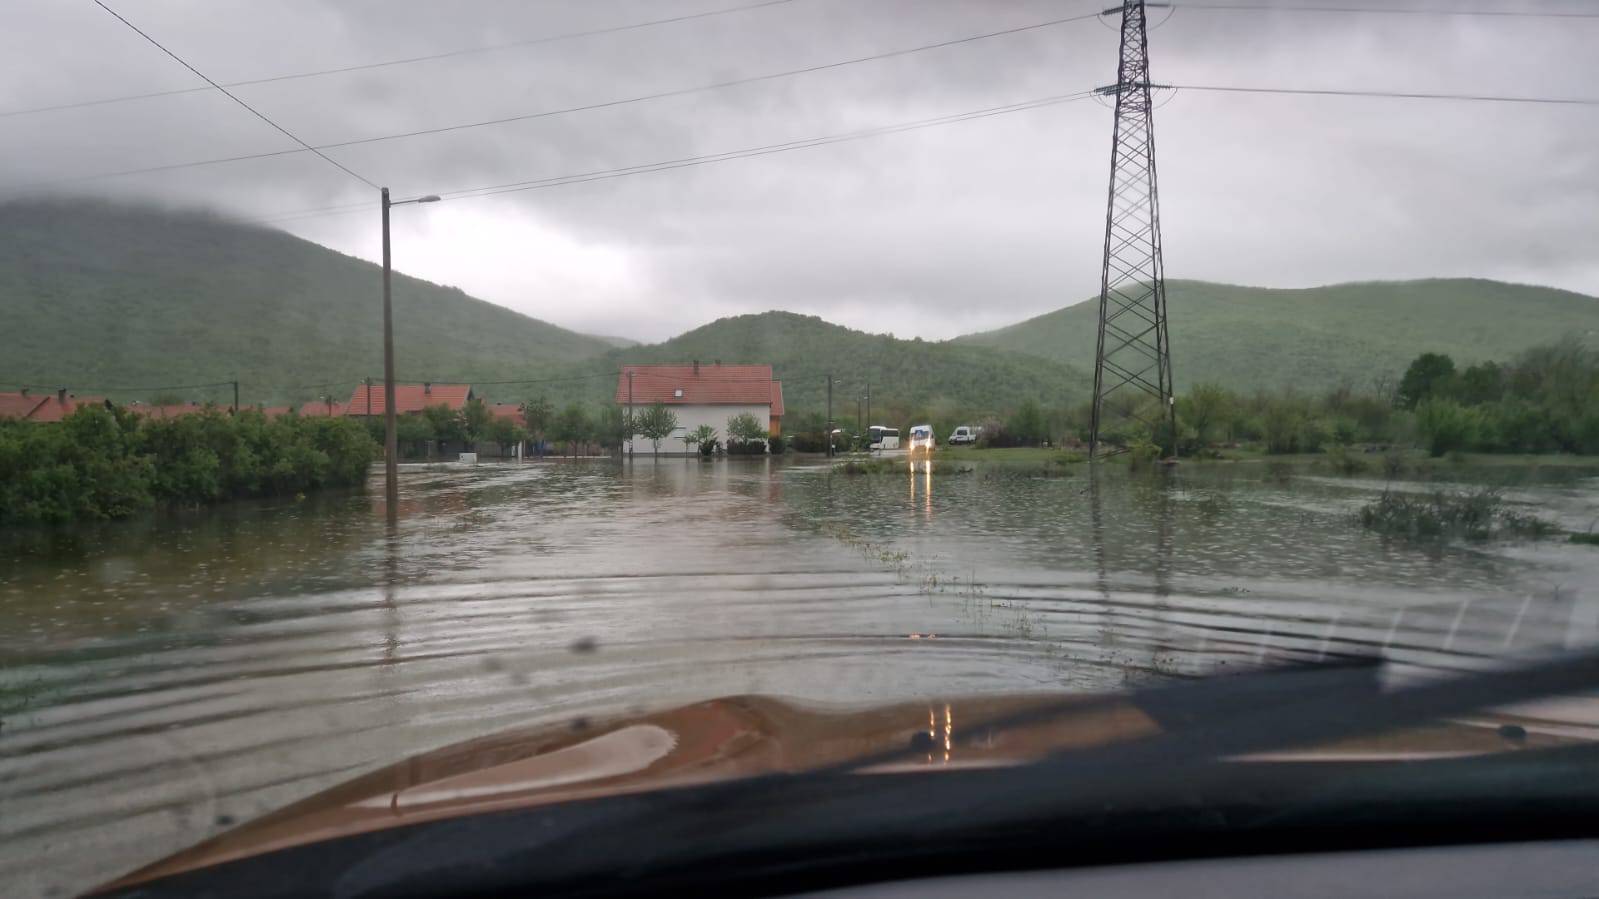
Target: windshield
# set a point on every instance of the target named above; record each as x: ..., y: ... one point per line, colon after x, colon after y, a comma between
x: 379, y: 379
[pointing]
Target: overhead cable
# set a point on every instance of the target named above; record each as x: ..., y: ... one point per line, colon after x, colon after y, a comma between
x: 256, y: 112
x: 406, y: 60
x: 606, y: 104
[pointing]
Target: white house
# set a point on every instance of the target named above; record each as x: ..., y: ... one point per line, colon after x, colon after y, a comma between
x: 700, y: 394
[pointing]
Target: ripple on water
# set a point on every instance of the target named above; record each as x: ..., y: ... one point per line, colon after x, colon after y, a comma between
x: 170, y: 674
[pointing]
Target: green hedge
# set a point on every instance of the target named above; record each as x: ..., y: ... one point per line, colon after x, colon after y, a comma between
x: 101, y: 463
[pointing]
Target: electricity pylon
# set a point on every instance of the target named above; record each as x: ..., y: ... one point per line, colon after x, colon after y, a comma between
x: 1133, y: 351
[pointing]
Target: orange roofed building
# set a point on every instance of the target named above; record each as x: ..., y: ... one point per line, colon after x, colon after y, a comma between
x: 44, y: 406
x: 409, y: 399
x: 325, y: 409
x: 700, y: 394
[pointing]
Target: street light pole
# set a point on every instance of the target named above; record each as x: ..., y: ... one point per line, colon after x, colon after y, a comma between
x: 391, y: 456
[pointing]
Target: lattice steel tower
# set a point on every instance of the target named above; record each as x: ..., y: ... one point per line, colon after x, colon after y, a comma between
x: 1133, y: 353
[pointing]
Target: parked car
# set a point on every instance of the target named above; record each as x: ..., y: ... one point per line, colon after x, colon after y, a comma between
x: 964, y: 434
x: 922, y: 438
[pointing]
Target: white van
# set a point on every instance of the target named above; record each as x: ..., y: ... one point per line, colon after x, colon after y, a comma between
x: 922, y: 438
x: 963, y: 435
x: 881, y: 438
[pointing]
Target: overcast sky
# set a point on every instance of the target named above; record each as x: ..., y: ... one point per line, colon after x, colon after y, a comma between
x: 931, y: 232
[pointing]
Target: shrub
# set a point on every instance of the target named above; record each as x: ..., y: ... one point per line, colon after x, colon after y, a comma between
x: 808, y: 442
x: 100, y: 463
x: 1345, y: 462
x: 774, y: 445
x: 1446, y: 425
x: 1473, y: 515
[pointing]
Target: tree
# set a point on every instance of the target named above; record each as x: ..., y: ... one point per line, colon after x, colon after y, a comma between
x: 612, y: 426
x: 702, y: 436
x: 1484, y: 383
x: 408, y: 430
x: 504, y: 432
x: 572, y: 426
x: 1026, y: 427
x: 657, y: 423
x: 537, y: 414
x: 744, y: 429
x: 475, y: 421
x: 1447, y: 425
x: 1206, y: 408
x: 445, y: 423
x: 1431, y: 374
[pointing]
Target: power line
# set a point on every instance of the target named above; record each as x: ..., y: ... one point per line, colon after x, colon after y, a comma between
x: 668, y: 165
x: 607, y: 104
x: 705, y: 159
x: 257, y: 113
x: 1397, y: 95
x: 406, y: 60
x: 475, y: 383
x: 1399, y: 11
x: 69, y: 385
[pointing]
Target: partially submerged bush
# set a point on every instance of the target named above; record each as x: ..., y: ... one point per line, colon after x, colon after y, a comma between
x: 1345, y: 462
x: 1469, y: 515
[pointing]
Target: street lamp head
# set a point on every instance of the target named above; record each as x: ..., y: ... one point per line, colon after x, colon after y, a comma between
x: 430, y: 198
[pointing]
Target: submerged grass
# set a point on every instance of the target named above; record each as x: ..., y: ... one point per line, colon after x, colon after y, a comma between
x: 1470, y: 515
x: 899, y: 466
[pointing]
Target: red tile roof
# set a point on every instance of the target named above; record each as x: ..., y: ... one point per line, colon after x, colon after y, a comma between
x: 410, y: 398
x: 512, y: 411
x: 52, y: 409
x: 712, y: 385
x: 324, y: 409
x: 276, y: 411
x: 19, y: 405
x: 173, y: 411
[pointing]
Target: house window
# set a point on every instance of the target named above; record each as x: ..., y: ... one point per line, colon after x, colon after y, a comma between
x: 678, y: 393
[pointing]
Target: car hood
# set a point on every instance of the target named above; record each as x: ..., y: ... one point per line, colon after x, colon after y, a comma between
x: 742, y: 736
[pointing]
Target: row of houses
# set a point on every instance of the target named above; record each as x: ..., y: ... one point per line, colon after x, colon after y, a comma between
x: 698, y: 395
x: 50, y: 407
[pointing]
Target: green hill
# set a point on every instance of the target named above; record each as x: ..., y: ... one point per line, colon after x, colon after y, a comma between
x: 97, y: 295
x: 1249, y: 337
x: 907, y: 377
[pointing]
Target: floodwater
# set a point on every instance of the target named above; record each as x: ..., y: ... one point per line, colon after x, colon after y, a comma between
x: 162, y: 679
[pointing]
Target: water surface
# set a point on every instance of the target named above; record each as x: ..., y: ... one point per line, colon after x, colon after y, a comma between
x: 164, y: 678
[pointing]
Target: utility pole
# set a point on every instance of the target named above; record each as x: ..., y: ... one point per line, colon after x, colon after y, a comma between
x: 868, y: 404
x: 829, y: 415
x: 235, y: 397
x: 391, y: 456
x: 1132, y: 349
x: 630, y: 413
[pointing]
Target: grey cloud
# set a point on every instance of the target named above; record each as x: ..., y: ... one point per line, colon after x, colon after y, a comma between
x: 931, y: 232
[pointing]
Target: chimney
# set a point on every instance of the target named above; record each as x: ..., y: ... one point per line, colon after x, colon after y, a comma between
x: 696, y: 368
x: 61, y: 396
x: 24, y: 391
x: 427, y: 388
x: 718, y: 363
